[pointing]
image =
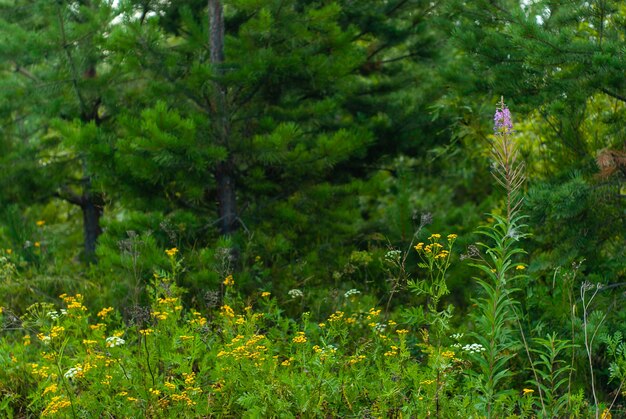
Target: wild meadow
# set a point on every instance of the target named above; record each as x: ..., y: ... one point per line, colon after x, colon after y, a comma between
x: 312, y: 209
x: 265, y: 354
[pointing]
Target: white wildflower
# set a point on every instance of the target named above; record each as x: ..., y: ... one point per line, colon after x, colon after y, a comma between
x: 380, y: 327
x: 53, y: 314
x: 113, y: 341
x: 474, y: 348
x: 72, y: 372
x: 351, y: 292
x: 295, y: 293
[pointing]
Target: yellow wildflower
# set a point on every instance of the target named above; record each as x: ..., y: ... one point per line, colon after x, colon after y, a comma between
x: 447, y: 354
x: 265, y: 294
x: 171, y: 252
x: 452, y: 236
x: 155, y: 391
x: 9, y: 251
x: 52, y: 388
x: 419, y: 246
x: 26, y: 339
x: 229, y: 281
x: 402, y: 332
x: 40, y: 223
x: 528, y: 391
x: 104, y: 312
x: 520, y: 267
x: 37, y: 244
x: 146, y: 332
x: 301, y: 338
x: 57, y: 403
x: 227, y: 311
x: 434, y: 236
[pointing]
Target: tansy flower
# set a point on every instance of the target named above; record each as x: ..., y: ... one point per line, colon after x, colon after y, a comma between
x: 171, y: 252
x: 265, y: 294
x: 104, y: 312
x: 528, y: 391
x: 520, y: 267
x: 229, y: 281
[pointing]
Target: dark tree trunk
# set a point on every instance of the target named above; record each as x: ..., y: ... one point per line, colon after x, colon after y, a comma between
x: 226, y: 199
x: 224, y: 172
x: 92, y: 212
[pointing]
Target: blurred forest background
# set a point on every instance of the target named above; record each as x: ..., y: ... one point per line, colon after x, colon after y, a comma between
x: 294, y: 143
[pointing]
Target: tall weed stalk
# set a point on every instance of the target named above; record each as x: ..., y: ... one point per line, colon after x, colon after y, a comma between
x: 497, y: 310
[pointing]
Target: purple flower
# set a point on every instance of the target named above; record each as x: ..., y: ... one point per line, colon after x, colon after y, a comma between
x: 502, y: 121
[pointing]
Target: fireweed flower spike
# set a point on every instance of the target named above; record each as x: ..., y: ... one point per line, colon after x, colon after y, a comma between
x: 502, y: 120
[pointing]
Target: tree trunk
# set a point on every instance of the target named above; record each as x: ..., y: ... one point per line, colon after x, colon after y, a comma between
x: 224, y: 172
x: 92, y: 212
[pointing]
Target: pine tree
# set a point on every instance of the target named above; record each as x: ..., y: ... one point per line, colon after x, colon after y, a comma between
x: 63, y: 87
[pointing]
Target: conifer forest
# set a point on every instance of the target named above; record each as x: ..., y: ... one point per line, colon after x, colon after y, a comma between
x: 313, y: 209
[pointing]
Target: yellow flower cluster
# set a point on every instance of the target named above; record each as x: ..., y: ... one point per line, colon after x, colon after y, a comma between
x: 104, y: 312
x: 227, y: 311
x: 41, y: 371
x: 250, y: 349
x: 57, y: 403
x: 427, y: 382
x: 160, y: 315
x: 183, y: 397
x: 265, y: 294
x: 229, y: 281
x: 197, y: 320
x: 448, y: 354
x: 190, y: 378
x: 393, y: 351
x: 355, y: 359
x: 74, y: 304
x: 337, y: 316
x: 56, y: 331
x: 52, y: 388
x: 146, y: 332
x: 402, y: 332
x: 300, y: 338
x: 172, y: 252
x: 48, y: 356
x: 99, y: 326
